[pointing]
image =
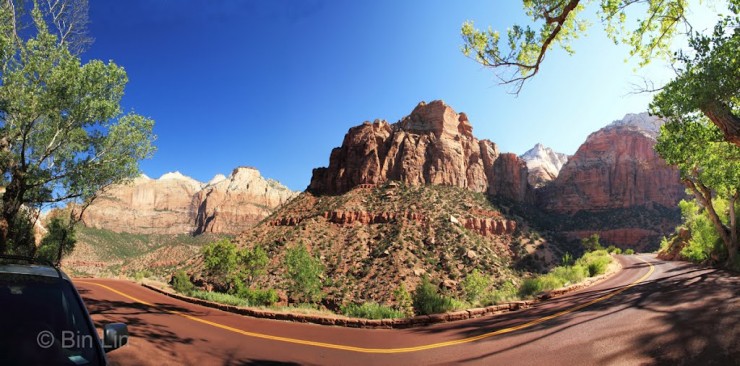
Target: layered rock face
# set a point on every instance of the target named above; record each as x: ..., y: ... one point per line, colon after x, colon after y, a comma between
x: 617, y: 173
x: 176, y: 204
x: 543, y: 164
x: 433, y: 145
x: 235, y: 203
x: 617, y: 167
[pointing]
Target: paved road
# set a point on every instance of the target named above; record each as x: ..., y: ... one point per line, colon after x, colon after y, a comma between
x: 652, y: 312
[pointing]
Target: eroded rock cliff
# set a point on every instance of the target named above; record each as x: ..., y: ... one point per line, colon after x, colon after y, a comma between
x: 177, y: 204
x: 433, y: 145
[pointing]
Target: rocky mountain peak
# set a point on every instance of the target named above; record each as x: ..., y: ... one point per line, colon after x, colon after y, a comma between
x: 438, y: 118
x: 178, y: 204
x: 641, y: 122
x: 432, y: 145
x: 543, y: 163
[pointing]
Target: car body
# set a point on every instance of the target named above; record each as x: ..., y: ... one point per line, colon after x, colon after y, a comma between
x: 43, y: 320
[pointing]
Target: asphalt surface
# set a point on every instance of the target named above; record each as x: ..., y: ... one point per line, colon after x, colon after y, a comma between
x: 652, y: 312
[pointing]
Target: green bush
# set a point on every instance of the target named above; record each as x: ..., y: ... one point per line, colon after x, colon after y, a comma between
x: 428, y: 300
x: 504, y: 293
x: 219, y: 297
x: 629, y: 251
x: 475, y: 285
x: 220, y: 257
x: 591, y: 243
x: 258, y: 297
x: 371, y: 310
x: 404, y: 303
x: 304, y: 273
x: 572, y: 274
x: 614, y: 250
x: 181, y: 282
x: 567, y: 259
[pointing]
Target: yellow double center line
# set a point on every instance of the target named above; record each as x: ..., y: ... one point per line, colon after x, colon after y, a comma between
x: 391, y: 350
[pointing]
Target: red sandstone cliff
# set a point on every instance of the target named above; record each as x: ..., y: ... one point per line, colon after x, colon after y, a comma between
x: 433, y: 145
x: 617, y: 169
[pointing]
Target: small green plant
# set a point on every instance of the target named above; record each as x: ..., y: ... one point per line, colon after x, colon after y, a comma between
x: 258, y: 297
x: 475, y: 285
x: 404, y: 303
x: 567, y: 259
x: 371, y: 310
x: 219, y: 297
x: 629, y: 251
x: 181, y: 282
x: 504, y: 293
x: 428, y: 300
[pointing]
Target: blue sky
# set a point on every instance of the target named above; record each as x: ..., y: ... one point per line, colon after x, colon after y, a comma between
x: 275, y: 84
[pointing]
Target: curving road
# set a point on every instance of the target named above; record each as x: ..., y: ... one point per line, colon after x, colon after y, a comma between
x: 652, y: 312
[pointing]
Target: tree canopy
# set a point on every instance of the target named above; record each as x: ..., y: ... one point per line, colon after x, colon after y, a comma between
x: 710, y: 168
x: 63, y: 134
x: 707, y: 78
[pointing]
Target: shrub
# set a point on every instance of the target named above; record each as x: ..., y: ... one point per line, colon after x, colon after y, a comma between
x: 614, y: 250
x: 506, y: 292
x: 219, y: 297
x: 591, y: 243
x: 629, y: 251
x: 220, y: 257
x: 254, y: 261
x: 475, y: 285
x: 181, y: 282
x: 572, y: 274
x: 567, y: 259
x: 596, y: 262
x: 258, y: 297
x: 303, y: 272
x: 404, y: 303
x: 371, y: 310
x: 428, y: 300
x: 529, y: 287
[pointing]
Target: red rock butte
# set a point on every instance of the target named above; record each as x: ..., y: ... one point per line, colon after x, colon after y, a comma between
x: 432, y: 145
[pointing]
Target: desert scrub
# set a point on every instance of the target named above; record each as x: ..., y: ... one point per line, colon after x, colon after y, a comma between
x: 181, y: 282
x: 629, y: 251
x: 475, y: 285
x: 504, y: 293
x: 371, y: 310
x: 596, y: 262
x: 219, y: 297
x: 428, y: 300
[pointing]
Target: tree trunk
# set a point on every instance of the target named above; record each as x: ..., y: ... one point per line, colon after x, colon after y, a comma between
x: 721, y: 115
x: 704, y: 195
x: 732, y: 249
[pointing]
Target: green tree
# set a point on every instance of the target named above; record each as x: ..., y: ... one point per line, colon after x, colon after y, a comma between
x: 591, y: 243
x: 63, y: 135
x: 253, y: 261
x: 220, y: 257
x: 710, y: 168
x: 475, y: 285
x: 58, y: 242
x: 304, y: 273
x: 708, y: 83
x: 708, y: 80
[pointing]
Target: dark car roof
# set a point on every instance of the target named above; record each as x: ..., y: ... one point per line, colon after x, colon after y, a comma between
x: 32, y: 270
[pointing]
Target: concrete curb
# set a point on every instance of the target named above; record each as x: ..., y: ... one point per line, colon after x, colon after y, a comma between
x: 421, y: 320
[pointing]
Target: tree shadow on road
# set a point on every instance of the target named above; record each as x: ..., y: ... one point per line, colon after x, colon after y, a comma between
x: 698, y: 310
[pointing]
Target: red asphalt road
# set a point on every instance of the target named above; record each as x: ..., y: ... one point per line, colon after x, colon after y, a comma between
x: 679, y: 314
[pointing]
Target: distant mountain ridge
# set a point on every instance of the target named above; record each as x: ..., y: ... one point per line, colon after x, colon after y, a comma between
x: 178, y: 204
x: 543, y: 163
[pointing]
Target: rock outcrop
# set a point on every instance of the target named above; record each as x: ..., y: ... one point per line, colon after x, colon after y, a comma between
x: 617, y: 173
x: 433, y: 145
x: 177, y: 204
x: 235, y: 203
x: 543, y: 164
x: 617, y: 167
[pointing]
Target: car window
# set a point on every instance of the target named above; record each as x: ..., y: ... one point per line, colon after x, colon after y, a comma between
x: 42, y: 323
